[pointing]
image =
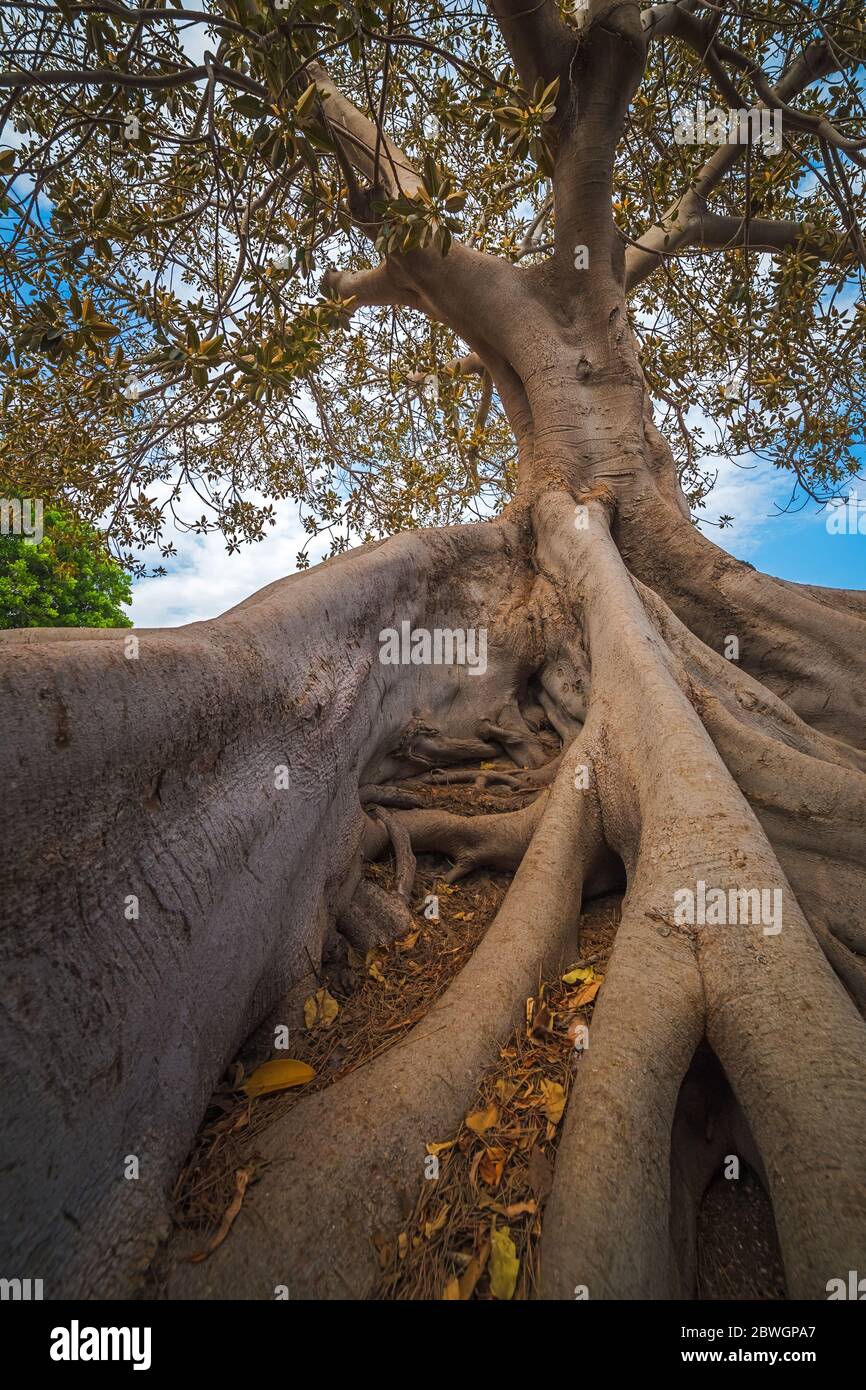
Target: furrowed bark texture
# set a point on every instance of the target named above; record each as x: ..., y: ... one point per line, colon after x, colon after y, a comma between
x: 161, y: 778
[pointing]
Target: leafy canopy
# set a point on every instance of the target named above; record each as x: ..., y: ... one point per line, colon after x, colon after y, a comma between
x: 175, y: 192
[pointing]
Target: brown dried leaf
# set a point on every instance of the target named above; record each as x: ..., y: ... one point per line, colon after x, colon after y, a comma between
x: 431, y: 1227
x: 492, y: 1165
x: 479, y: 1121
x: 473, y: 1271
x: 586, y: 995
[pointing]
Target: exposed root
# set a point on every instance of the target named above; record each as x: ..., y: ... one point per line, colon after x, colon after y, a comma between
x: 341, y: 1160
x: 523, y: 747
x: 404, y: 859
x: 374, y: 917
x: 373, y: 795
x: 676, y: 817
x: 497, y: 841
x: 500, y: 1177
x: 380, y: 1003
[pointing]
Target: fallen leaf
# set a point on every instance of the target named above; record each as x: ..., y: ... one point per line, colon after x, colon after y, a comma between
x: 321, y: 1007
x: 492, y: 1165
x: 577, y: 1028
x: 473, y: 1168
x: 431, y: 1227
x: 407, y: 942
x: 585, y: 974
x: 540, y: 1173
x: 278, y: 1076
x: 504, y: 1264
x: 242, y: 1178
x: 473, y: 1271
x: 402, y: 1245
x: 441, y: 1148
x: 463, y: 916
x: 542, y: 1022
x: 587, y: 994
x: 516, y: 1209
x: 373, y: 969
x: 506, y: 1089
x: 479, y: 1121
x: 452, y: 1291
x: 384, y: 1249
x: 554, y: 1100
x: 520, y: 1209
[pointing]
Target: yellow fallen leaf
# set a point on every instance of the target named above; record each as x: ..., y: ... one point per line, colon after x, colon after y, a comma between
x: 585, y: 974
x: 407, y: 942
x: 278, y: 1076
x: 373, y: 969
x: 328, y: 1007
x: 441, y: 1148
x: 452, y: 1290
x: 479, y: 1121
x: 402, y: 1245
x: 504, y: 1264
x: 554, y: 1100
x: 321, y: 1007
x: 587, y: 994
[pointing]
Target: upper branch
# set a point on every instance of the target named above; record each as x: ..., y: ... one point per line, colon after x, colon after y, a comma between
x: 540, y: 44
x: 682, y: 218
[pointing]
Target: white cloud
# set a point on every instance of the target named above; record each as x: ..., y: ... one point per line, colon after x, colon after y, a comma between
x: 207, y: 580
x: 749, y: 495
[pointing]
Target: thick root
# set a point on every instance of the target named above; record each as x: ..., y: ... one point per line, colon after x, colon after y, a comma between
x: 673, y: 812
x: 374, y: 918
x: 345, y: 1162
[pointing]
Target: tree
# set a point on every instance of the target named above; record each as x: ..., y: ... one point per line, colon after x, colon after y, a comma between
x: 504, y: 207
x: 66, y: 580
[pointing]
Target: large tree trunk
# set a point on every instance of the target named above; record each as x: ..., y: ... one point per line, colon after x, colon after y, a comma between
x: 155, y: 777
x: 158, y: 777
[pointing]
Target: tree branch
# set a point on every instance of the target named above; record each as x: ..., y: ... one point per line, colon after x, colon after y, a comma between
x: 676, y: 225
x: 540, y: 44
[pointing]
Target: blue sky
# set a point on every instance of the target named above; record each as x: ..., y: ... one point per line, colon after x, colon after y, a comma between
x: 795, y: 545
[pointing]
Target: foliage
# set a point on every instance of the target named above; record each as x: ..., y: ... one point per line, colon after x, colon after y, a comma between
x: 173, y: 202
x: 66, y: 580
